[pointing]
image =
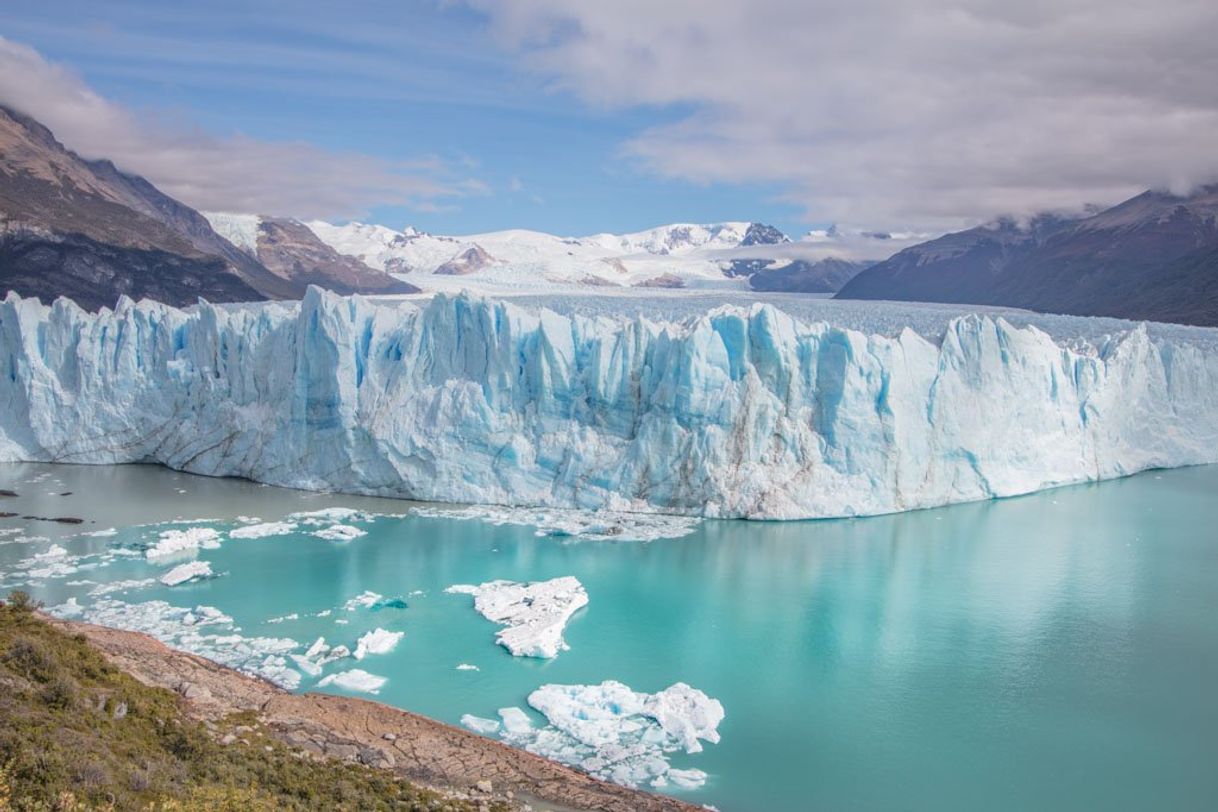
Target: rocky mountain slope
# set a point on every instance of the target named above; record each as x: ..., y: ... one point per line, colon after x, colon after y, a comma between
x: 86, y: 230
x: 1152, y: 257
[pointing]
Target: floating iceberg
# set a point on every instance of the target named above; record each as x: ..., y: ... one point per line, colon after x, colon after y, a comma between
x: 262, y: 530
x: 613, y: 732
x: 189, y: 571
x: 377, y: 641
x: 728, y: 411
x: 339, y: 532
x: 535, y: 614
x: 355, y: 680
x: 183, y: 542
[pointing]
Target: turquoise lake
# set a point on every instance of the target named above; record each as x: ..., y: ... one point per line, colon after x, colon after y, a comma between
x: 1055, y: 651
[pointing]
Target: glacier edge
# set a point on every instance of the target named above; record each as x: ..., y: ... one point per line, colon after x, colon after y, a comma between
x: 741, y: 411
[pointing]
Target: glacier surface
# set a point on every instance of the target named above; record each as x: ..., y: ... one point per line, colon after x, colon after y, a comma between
x: 731, y: 411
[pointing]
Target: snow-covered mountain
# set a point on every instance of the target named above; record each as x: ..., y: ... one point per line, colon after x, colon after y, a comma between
x: 292, y: 252
x: 720, y: 255
x: 714, y: 409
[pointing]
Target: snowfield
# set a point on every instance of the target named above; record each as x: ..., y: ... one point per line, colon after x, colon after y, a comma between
x: 665, y: 406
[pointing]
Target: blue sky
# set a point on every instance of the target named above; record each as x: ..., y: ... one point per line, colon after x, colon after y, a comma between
x: 911, y: 117
x: 404, y: 81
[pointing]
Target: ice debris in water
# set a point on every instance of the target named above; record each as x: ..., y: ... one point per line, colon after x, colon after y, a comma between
x: 339, y: 532
x: 355, y: 680
x: 190, y: 571
x: 591, y: 525
x: 318, y: 656
x: 467, y: 667
x: 369, y: 600
x: 613, y: 732
x: 203, y: 630
x: 535, y: 614
x: 263, y: 530
x: 182, y: 542
x: 377, y: 641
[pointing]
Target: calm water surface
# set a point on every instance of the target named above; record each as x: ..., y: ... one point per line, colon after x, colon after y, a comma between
x: 1057, y: 651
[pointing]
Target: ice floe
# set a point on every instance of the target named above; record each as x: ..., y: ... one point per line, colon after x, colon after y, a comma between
x: 592, y: 525
x: 262, y: 530
x: 183, y: 542
x: 534, y: 614
x: 319, y: 655
x: 613, y: 732
x: 377, y: 641
x: 466, y: 667
x: 339, y: 532
x: 190, y: 571
x: 355, y: 680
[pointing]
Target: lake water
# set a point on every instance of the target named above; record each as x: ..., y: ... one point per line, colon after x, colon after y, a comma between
x: 1057, y: 651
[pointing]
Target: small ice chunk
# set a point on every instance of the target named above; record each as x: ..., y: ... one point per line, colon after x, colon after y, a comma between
x: 480, y: 725
x: 355, y: 680
x: 377, y: 641
x: 69, y: 608
x: 339, y: 532
x: 535, y: 614
x: 467, y: 667
x: 189, y: 571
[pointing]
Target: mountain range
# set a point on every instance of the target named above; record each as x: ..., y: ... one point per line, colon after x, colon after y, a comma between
x: 1153, y: 257
x: 89, y: 231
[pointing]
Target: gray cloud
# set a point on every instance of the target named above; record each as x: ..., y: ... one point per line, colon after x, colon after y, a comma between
x: 891, y: 114
x: 212, y: 172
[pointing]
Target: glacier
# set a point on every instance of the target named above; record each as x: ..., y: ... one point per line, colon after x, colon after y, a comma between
x: 728, y: 411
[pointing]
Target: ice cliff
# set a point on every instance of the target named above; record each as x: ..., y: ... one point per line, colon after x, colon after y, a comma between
x: 735, y: 411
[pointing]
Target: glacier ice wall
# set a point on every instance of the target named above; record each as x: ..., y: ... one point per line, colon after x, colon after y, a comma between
x: 738, y: 411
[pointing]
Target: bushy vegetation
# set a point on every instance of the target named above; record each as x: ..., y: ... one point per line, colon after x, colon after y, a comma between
x: 78, y: 734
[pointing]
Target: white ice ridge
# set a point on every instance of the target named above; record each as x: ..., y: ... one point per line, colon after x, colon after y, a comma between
x: 535, y: 614
x: 735, y: 411
x: 613, y: 732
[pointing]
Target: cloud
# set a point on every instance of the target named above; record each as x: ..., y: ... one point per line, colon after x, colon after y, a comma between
x: 213, y: 172
x: 889, y: 113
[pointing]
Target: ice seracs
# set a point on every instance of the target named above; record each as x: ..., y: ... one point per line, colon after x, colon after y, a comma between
x: 726, y: 411
x: 613, y: 732
x: 535, y: 614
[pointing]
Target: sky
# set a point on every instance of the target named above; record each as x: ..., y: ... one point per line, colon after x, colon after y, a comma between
x: 572, y: 117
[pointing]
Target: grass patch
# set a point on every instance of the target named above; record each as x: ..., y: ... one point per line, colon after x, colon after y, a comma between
x: 76, y: 733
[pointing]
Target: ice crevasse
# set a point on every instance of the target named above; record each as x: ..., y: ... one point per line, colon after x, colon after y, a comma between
x: 740, y: 411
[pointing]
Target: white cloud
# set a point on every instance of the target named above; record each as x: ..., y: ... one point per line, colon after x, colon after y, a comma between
x: 213, y: 172
x: 891, y: 113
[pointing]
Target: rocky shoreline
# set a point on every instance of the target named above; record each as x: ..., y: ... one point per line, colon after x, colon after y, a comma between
x: 321, y: 726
